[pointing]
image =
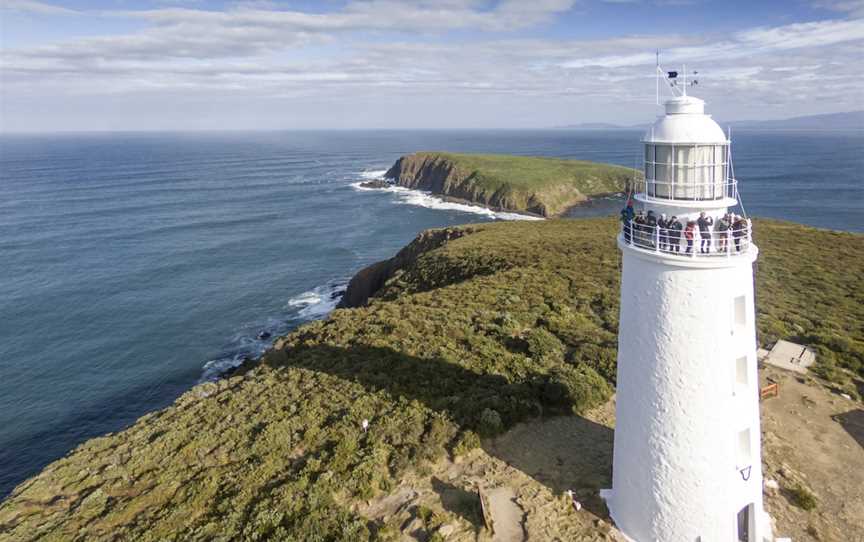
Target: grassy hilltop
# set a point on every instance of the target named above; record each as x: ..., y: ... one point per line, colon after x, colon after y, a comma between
x: 544, y: 186
x: 486, y: 326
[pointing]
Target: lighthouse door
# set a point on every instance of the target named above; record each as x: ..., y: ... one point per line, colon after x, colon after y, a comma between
x: 745, y: 520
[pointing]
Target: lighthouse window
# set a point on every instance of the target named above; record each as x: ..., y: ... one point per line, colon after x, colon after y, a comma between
x: 744, y: 446
x: 740, y: 309
x: 741, y: 373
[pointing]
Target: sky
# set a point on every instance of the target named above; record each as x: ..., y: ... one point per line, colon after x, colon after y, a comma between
x: 402, y: 64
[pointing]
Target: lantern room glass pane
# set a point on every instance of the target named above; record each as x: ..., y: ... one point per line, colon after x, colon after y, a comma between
x: 702, y: 178
x: 684, y: 166
x: 720, y: 167
x: 663, y: 171
x: 649, y: 168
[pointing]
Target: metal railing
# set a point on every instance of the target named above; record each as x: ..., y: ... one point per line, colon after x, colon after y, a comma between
x: 689, y: 243
x: 683, y: 190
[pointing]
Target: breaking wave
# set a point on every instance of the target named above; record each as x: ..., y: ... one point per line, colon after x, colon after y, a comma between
x: 254, y: 338
x: 422, y: 198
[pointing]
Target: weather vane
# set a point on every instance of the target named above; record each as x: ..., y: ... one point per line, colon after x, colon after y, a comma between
x: 678, y: 86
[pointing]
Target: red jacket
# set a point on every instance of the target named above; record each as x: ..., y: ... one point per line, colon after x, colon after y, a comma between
x: 689, y: 231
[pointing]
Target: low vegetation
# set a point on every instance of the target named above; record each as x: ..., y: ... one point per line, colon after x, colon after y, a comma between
x: 809, y: 291
x: 802, y: 498
x: 507, y: 322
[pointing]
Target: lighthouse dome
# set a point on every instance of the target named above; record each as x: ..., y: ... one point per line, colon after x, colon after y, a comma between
x: 686, y: 122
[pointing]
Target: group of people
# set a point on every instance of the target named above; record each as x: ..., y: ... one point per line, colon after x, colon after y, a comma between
x: 650, y: 231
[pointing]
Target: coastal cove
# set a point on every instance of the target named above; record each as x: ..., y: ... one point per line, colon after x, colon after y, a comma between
x: 133, y: 261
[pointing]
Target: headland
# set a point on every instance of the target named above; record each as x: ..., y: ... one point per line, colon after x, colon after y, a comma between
x: 544, y: 187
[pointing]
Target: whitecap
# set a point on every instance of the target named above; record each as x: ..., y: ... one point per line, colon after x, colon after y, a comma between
x: 422, y: 198
x: 255, y: 338
x: 372, y: 175
x: 319, y: 301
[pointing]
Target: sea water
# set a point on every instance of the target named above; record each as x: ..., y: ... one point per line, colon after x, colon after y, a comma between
x: 133, y: 266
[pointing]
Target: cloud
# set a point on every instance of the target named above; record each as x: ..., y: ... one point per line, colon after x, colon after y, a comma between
x: 854, y: 8
x: 29, y: 6
x: 415, y: 54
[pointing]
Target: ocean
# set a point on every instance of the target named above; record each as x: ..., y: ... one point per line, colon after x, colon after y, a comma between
x: 134, y: 265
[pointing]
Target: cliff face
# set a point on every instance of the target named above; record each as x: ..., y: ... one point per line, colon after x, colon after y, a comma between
x: 540, y: 186
x: 426, y: 172
x: 440, y: 175
x: 370, y: 280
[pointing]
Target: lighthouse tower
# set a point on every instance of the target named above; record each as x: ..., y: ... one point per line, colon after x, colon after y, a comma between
x: 687, y: 463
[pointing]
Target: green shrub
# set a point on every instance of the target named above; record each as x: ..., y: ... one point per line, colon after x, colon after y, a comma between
x: 490, y: 423
x: 802, y: 497
x: 467, y: 441
x: 578, y: 389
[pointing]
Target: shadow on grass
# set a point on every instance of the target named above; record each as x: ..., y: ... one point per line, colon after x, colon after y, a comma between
x: 562, y: 453
x: 853, y: 423
x: 463, y: 503
x: 570, y: 453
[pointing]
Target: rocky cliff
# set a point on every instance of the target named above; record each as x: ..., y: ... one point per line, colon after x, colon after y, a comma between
x: 540, y: 186
x: 370, y: 280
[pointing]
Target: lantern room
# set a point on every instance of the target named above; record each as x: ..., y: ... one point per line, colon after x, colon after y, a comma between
x: 687, y: 156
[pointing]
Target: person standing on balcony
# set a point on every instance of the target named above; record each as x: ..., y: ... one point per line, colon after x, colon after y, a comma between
x: 674, y: 234
x: 663, y: 224
x: 651, y: 226
x: 639, y: 229
x: 739, y: 229
x: 723, y: 226
x: 705, y: 223
x: 627, y: 215
x: 689, y: 234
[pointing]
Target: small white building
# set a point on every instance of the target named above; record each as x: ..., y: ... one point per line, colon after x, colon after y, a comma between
x: 687, y: 458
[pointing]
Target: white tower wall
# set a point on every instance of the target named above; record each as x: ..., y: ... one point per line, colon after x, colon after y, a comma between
x: 681, y: 404
x: 687, y: 460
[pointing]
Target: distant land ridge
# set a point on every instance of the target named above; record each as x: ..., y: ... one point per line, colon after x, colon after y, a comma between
x: 850, y: 120
x: 541, y: 186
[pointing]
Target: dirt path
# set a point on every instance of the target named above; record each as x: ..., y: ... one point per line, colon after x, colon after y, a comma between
x: 506, y: 515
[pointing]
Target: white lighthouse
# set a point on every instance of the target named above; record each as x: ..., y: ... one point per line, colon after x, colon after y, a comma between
x: 687, y: 459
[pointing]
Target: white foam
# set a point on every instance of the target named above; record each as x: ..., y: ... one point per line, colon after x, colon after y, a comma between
x: 421, y: 198
x: 317, y: 302
x: 372, y: 175
x: 310, y: 305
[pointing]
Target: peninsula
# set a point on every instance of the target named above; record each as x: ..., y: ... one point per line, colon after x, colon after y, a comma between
x: 481, y: 357
x: 541, y: 186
